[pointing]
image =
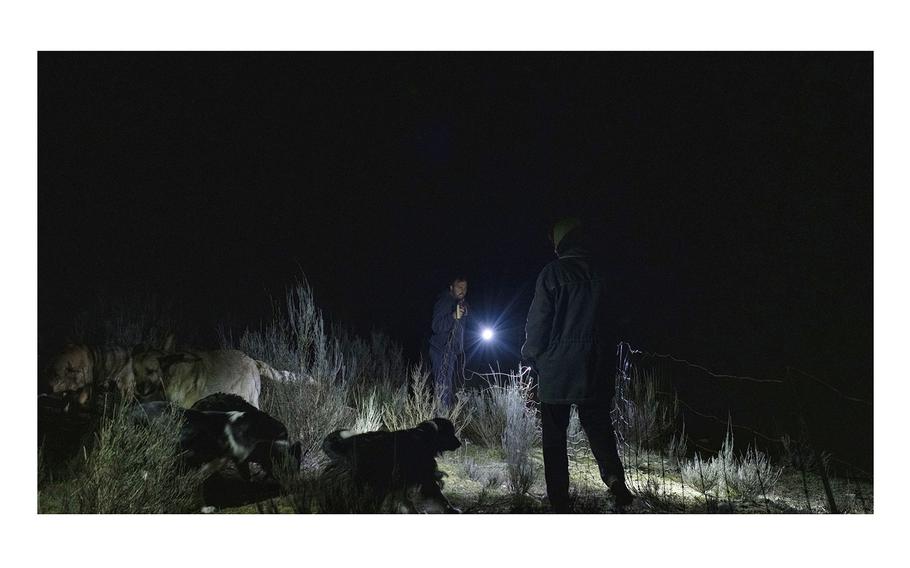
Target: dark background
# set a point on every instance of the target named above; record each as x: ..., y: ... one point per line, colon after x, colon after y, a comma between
x: 734, y: 190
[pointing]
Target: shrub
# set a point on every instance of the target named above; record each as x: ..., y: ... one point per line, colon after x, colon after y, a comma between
x: 368, y: 413
x: 481, y: 470
x: 755, y: 475
x: 488, y: 416
x: 311, y: 411
x: 522, y: 433
x: 748, y: 476
x: 646, y: 414
x: 489, y: 409
x: 502, y: 419
x: 575, y: 436
x: 317, y: 400
x: 130, y: 320
x: 701, y: 475
x: 295, y: 340
x: 339, y: 382
x: 136, y: 468
x: 366, y: 363
x: 407, y: 410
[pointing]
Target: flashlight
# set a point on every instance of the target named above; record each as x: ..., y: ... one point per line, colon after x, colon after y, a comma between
x: 486, y: 334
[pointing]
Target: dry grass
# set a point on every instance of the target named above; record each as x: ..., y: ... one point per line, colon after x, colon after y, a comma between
x: 346, y: 382
x: 133, y: 468
x: 408, y: 409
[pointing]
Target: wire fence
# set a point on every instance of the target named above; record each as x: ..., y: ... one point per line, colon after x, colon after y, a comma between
x: 672, y: 405
x: 676, y: 422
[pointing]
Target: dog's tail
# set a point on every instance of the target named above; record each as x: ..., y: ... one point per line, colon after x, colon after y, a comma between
x: 336, y: 444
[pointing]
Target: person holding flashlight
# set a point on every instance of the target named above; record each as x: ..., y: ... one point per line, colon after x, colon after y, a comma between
x: 447, y: 342
x: 570, y: 341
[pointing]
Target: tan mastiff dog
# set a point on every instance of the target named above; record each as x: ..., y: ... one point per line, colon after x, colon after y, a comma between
x: 183, y: 377
x: 82, y: 371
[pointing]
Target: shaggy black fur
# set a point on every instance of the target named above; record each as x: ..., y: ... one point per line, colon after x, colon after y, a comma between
x: 389, y: 464
x: 224, y: 402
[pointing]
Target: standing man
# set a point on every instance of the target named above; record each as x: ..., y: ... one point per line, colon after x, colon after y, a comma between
x: 571, y: 344
x: 447, y: 343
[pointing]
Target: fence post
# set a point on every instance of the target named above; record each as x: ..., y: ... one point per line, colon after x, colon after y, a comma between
x: 807, y: 434
x: 859, y: 492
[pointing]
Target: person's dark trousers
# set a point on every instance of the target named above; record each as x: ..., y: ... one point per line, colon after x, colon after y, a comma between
x: 443, y: 376
x: 595, y: 420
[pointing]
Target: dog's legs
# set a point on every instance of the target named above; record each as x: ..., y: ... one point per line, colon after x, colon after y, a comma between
x: 407, y: 507
x: 243, y: 468
x: 399, y: 502
x: 433, y: 492
x: 211, y: 467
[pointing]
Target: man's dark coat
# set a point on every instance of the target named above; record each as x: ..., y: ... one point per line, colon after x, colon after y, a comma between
x: 444, y: 324
x: 447, y: 347
x: 570, y: 338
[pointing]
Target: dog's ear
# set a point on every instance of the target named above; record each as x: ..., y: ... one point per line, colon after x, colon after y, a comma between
x: 335, y: 445
x: 428, y: 431
x: 444, y: 425
x: 446, y: 440
x: 445, y: 428
x: 169, y: 343
x: 168, y: 361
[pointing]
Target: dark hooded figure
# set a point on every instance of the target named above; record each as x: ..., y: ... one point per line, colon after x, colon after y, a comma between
x: 447, y: 342
x: 571, y: 343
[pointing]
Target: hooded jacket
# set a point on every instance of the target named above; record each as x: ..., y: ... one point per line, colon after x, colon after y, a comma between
x: 570, y: 339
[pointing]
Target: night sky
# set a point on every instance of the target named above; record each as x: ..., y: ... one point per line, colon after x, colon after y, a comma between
x: 733, y: 190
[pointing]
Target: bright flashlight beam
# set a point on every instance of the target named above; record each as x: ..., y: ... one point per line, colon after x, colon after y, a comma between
x: 487, y: 334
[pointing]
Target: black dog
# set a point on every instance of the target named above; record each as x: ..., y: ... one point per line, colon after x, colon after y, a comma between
x: 212, y: 439
x: 264, y: 452
x: 389, y: 464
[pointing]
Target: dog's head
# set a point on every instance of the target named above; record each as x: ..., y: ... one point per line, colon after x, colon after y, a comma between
x: 440, y: 433
x: 282, y: 452
x: 256, y: 426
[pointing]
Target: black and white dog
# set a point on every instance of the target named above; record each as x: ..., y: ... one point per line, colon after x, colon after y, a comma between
x: 224, y: 428
x: 267, y: 451
x: 389, y: 464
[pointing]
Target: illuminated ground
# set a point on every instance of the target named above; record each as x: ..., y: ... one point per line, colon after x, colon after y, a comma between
x: 477, y: 483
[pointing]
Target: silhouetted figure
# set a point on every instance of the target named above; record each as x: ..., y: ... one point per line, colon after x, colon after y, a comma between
x: 571, y: 344
x: 447, y: 342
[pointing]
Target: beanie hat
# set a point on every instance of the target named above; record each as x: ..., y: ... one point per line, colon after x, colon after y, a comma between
x: 562, y: 228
